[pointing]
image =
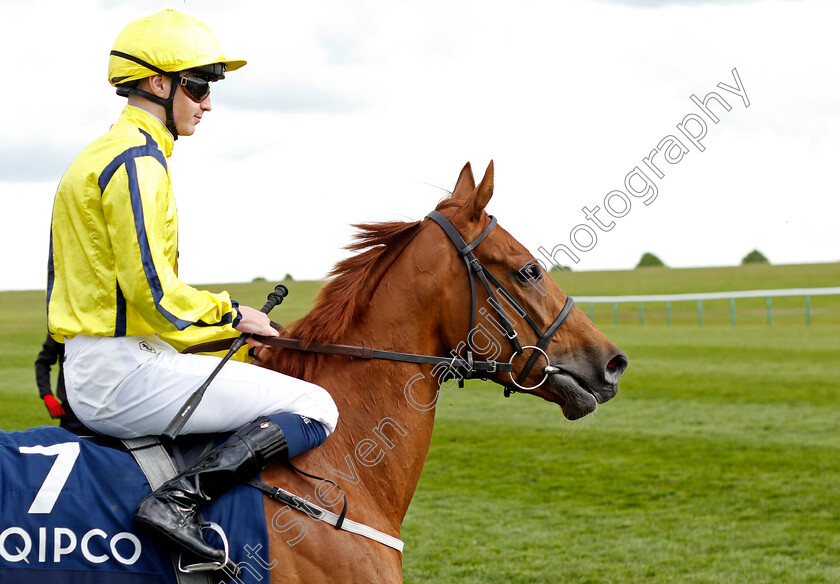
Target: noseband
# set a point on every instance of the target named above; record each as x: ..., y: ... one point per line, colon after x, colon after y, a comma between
x: 475, y: 269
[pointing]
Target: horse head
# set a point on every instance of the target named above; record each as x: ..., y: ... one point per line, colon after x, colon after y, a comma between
x: 572, y: 363
x: 457, y: 284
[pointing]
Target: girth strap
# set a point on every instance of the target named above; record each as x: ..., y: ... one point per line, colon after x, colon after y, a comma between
x: 321, y: 514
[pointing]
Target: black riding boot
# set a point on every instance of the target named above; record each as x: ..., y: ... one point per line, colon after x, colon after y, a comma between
x: 170, y: 510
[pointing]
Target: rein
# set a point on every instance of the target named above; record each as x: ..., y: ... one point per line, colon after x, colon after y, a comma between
x: 462, y: 368
x: 457, y: 367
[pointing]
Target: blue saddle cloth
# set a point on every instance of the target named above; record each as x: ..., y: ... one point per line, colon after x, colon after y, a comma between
x: 66, y: 508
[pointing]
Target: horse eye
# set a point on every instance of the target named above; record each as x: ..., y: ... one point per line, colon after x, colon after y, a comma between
x: 530, y: 273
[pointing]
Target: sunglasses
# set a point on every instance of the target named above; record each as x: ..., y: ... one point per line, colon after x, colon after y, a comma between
x: 196, y: 87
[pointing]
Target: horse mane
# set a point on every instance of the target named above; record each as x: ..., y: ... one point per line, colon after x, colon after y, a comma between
x: 348, y: 288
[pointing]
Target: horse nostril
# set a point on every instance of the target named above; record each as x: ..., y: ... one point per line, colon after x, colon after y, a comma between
x: 615, y: 367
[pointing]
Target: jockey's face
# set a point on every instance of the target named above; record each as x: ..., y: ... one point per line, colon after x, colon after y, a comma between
x: 187, y: 112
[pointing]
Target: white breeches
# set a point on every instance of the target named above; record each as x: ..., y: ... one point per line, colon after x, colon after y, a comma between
x: 133, y: 386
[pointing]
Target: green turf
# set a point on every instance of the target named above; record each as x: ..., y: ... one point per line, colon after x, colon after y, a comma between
x: 718, y: 462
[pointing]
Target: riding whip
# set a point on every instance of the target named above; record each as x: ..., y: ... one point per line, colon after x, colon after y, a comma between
x: 187, y: 410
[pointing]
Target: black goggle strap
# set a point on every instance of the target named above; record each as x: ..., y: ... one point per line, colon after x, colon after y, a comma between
x: 139, y: 61
x: 165, y: 102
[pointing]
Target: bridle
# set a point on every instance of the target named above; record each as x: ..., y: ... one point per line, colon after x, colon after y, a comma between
x: 456, y: 367
x: 475, y: 269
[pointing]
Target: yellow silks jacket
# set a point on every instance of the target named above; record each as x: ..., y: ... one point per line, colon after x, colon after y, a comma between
x: 113, y: 266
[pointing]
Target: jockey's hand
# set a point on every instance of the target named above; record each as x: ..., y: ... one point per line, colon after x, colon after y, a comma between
x: 55, y: 409
x: 255, y: 322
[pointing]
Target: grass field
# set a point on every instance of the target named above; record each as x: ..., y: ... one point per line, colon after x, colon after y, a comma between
x: 718, y: 461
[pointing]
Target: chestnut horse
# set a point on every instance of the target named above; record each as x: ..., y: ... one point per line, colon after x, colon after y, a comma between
x: 409, y: 291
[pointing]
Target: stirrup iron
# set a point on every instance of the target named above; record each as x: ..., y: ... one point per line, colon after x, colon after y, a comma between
x: 230, y: 568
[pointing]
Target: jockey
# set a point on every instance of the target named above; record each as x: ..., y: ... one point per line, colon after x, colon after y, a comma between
x: 115, y: 299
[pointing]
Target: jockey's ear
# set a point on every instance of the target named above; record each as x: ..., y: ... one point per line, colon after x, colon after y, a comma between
x: 481, y: 195
x: 466, y: 183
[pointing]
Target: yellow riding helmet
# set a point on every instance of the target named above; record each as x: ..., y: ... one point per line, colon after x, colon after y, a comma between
x: 165, y: 42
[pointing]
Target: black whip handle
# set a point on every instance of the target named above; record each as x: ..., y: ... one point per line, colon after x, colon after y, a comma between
x: 187, y: 410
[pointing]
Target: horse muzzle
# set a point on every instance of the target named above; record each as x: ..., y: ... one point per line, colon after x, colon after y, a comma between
x: 579, y: 395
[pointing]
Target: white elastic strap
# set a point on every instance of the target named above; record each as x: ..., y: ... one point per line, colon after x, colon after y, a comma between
x: 351, y: 526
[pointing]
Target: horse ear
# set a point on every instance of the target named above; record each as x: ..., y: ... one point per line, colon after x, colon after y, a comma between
x: 481, y: 196
x: 466, y: 183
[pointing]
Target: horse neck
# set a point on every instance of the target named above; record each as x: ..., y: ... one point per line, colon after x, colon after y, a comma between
x: 386, y: 408
x: 386, y: 411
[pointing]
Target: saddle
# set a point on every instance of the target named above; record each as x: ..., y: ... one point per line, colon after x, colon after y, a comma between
x: 66, y: 507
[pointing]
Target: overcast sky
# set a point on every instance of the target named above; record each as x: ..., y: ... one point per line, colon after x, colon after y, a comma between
x: 363, y: 111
